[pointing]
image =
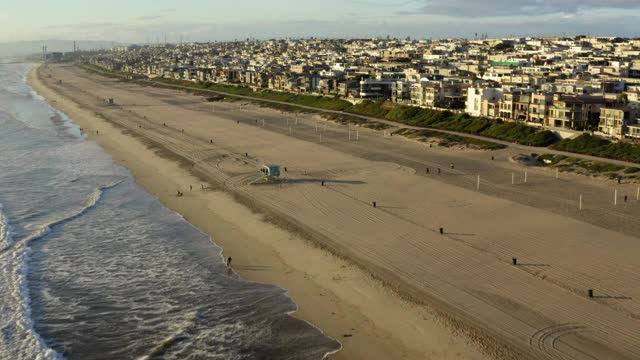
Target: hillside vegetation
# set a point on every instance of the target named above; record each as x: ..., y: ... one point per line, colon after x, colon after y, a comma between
x: 447, y: 120
x: 596, y: 146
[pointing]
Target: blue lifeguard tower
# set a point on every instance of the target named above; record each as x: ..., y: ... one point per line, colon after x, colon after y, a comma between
x: 268, y: 173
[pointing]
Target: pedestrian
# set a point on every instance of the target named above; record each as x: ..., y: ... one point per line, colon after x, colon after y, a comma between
x: 451, y: 165
x: 438, y: 171
x: 190, y: 187
x: 625, y: 198
x: 441, y: 231
x: 492, y: 157
x: 427, y: 170
x: 229, y: 262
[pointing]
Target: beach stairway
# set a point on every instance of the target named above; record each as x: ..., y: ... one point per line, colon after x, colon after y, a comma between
x: 260, y: 178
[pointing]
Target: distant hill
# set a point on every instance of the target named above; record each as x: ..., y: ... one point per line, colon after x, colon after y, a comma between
x: 24, y: 48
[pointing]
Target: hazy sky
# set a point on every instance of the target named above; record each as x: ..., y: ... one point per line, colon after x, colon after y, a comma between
x: 202, y: 20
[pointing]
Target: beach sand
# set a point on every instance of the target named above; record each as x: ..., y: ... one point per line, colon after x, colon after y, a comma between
x: 462, y: 285
x: 331, y: 293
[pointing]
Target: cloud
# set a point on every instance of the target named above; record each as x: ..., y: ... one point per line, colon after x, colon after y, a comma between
x: 386, y: 3
x: 82, y: 26
x: 604, y: 23
x: 500, y: 8
x: 149, y: 17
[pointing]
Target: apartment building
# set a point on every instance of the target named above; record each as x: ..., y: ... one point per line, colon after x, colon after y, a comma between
x: 521, y: 107
x: 478, y: 97
x: 633, y: 131
x: 376, y: 89
x: 400, y: 91
x: 614, y: 122
x: 507, y: 105
x: 578, y: 113
x: 539, y: 109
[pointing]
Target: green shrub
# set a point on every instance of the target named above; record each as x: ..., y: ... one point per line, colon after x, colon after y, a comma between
x: 593, y: 145
x: 600, y: 167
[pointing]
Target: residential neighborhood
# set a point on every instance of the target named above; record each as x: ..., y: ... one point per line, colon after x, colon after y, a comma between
x: 565, y: 84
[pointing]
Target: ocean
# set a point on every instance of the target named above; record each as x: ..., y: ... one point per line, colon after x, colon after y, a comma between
x: 93, y: 267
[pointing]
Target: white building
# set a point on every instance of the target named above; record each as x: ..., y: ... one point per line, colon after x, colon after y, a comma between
x: 475, y: 97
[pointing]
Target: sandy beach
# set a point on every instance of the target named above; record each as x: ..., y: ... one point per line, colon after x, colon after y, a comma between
x: 383, y: 280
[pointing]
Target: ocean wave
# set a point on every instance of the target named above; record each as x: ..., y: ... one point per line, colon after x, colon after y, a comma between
x: 18, y: 339
x: 44, y: 230
x: 181, y: 334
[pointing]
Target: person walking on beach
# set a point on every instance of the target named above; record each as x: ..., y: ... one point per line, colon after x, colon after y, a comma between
x: 229, y: 268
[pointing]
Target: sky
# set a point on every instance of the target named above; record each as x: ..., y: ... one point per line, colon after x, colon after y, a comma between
x: 149, y: 21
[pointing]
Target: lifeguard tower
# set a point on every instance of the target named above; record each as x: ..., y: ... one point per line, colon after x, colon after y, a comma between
x: 268, y: 173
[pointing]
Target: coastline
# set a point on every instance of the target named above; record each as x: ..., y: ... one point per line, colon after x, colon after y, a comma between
x: 464, y: 273
x: 366, y: 329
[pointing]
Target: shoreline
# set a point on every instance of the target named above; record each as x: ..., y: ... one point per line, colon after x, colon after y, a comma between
x: 352, y: 324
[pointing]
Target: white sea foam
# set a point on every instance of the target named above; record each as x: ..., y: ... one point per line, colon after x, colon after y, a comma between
x: 18, y: 339
x: 5, y: 230
x: 92, y: 200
